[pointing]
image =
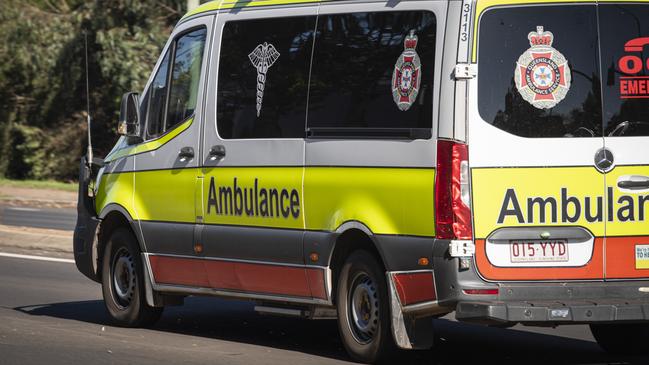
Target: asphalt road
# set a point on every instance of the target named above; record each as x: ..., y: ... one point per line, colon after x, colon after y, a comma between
x: 63, y: 219
x: 50, y: 314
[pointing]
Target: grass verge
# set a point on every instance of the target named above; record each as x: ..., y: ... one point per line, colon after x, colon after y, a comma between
x: 39, y: 184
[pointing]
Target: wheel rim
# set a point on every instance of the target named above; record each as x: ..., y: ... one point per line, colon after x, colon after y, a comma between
x: 363, y: 308
x: 123, y: 277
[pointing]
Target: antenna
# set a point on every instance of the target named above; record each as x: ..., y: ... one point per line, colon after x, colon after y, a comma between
x: 89, y: 151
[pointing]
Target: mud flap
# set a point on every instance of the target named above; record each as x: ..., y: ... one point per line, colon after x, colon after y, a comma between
x: 409, y: 332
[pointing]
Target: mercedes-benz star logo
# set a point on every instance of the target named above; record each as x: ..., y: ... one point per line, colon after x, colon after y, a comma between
x: 604, y: 160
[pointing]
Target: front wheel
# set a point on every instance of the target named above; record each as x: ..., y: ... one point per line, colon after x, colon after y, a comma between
x: 123, y: 282
x: 622, y: 339
x: 363, y: 308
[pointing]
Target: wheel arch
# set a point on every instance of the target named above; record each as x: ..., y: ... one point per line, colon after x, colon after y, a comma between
x: 112, y: 217
x: 351, y: 236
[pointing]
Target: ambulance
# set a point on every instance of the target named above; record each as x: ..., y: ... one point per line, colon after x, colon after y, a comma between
x: 385, y: 163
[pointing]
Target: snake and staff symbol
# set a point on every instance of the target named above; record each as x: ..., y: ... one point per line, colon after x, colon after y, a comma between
x: 262, y: 57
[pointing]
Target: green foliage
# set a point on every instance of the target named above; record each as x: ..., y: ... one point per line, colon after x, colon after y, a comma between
x: 42, y: 76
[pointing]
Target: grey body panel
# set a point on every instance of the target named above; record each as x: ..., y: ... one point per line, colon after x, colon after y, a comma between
x: 253, y: 243
x: 561, y: 303
x: 168, y: 237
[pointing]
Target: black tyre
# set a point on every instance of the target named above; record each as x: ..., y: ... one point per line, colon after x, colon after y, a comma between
x: 123, y: 282
x: 622, y: 339
x: 363, y: 309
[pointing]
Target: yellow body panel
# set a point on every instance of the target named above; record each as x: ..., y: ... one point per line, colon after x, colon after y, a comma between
x: 490, y: 186
x: 387, y: 200
x: 268, y: 178
x: 165, y: 195
x: 634, y: 219
x: 117, y: 189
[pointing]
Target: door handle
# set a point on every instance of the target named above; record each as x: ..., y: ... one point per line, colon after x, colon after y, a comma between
x: 633, y: 182
x: 186, y: 153
x: 217, y: 152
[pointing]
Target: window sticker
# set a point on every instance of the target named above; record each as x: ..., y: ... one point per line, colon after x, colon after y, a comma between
x: 262, y: 57
x: 406, y: 74
x: 633, y: 84
x: 542, y: 74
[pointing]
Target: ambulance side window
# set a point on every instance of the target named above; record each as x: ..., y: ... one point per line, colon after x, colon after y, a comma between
x: 372, y: 72
x: 157, y: 94
x: 263, y: 77
x: 168, y: 106
x: 625, y: 54
x: 185, y: 75
x: 536, y: 98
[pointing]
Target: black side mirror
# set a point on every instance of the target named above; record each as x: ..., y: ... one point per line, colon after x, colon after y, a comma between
x: 129, y: 116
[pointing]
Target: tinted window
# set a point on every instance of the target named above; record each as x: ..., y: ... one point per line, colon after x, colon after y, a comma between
x: 187, y: 53
x: 625, y: 51
x: 185, y: 75
x: 363, y: 77
x: 559, y: 105
x: 158, y: 95
x: 263, y: 77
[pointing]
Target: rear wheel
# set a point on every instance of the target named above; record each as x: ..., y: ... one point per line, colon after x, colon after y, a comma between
x: 363, y: 312
x: 123, y: 282
x: 622, y: 339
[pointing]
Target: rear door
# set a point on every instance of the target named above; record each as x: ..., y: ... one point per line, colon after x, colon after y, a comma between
x: 624, y: 30
x: 535, y: 127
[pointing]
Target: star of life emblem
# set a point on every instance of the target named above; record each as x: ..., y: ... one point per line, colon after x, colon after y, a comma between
x: 407, y: 74
x: 542, y: 74
x: 262, y: 57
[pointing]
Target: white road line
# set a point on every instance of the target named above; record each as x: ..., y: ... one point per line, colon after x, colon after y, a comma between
x: 22, y: 209
x: 38, y: 258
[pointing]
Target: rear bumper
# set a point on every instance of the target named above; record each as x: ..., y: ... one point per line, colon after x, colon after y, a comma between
x: 557, y: 303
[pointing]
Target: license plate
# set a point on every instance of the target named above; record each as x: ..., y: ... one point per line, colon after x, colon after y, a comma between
x: 538, y: 250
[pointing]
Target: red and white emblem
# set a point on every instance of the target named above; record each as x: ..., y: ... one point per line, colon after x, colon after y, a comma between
x: 407, y: 74
x: 542, y: 74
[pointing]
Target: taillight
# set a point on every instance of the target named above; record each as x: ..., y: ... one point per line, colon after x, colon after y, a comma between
x: 452, y: 197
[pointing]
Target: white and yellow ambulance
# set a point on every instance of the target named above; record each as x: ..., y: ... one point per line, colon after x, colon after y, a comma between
x: 385, y: 163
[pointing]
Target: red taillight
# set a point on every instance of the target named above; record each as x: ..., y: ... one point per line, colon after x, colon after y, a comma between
x: 452, y: 212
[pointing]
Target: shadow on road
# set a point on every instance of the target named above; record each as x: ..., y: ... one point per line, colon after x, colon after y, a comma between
x: 455, y: 343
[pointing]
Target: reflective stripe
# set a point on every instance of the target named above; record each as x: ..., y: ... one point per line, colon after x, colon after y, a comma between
x: 224, y: 4
x: 151, y: 145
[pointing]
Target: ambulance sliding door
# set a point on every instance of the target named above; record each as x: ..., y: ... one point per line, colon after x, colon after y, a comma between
x: 624, y: 30
x: 253, y: 152
x: 535, y: 131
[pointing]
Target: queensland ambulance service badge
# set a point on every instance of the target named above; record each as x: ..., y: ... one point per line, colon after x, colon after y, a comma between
x: 407, y: 74
x: 542, y: 74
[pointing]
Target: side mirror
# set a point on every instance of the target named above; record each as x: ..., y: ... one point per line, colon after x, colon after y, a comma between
x: 129, y: 116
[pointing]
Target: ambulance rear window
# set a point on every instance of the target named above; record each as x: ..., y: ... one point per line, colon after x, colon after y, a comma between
x: 372, y: 74
x: 625, y: 66
x: 538, y: 71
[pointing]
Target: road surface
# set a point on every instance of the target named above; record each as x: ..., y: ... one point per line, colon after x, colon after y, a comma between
x: 49, y: 313
x: 63, y: 219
